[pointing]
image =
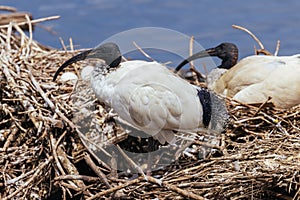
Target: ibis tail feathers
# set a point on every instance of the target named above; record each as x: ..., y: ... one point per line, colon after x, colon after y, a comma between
x: 219, y: 113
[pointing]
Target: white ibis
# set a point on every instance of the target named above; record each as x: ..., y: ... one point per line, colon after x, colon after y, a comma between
x: 149, y: 96
x: 255, y: 78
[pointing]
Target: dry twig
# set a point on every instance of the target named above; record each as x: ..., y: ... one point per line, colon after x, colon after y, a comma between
x: 262, y: 48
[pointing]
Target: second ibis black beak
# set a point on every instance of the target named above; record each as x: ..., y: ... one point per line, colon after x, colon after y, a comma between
x: 109, y: 52
x: 228, y: 52
x: 201, y: 54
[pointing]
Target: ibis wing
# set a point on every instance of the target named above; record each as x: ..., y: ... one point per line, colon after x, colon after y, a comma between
x: 250, y: 70
x: 153, y: 99
x: 279, y: 79
x: 151, y: 108
x: 154, y: 107
x: 282, y: 85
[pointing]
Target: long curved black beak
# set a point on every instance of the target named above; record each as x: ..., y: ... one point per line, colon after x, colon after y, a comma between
x: 201, y: 54
x: 72, y: 60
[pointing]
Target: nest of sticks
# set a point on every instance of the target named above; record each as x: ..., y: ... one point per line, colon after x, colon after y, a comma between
x: 44, y: 155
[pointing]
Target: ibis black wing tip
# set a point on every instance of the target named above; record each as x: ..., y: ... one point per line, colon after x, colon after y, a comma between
x: 78, y: 57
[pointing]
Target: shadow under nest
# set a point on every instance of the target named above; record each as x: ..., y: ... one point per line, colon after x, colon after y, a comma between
x: 49, y: 151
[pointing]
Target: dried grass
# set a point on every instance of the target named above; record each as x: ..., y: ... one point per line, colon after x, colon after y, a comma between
x: 43, y: 153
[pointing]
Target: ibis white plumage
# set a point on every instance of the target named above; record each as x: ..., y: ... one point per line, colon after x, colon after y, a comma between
x: 149, y: 96
x: 255, y: 78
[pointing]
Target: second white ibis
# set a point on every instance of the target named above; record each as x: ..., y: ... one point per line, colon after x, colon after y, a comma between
x: 256, y: 78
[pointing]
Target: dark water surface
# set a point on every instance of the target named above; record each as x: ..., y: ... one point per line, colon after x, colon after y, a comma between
x: 89, y: 22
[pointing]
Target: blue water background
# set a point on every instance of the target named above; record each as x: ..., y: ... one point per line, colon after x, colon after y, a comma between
x: 88, y: 22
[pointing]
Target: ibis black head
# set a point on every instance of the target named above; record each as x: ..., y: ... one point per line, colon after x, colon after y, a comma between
x: 227, y: 52
x: 109, y: 52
